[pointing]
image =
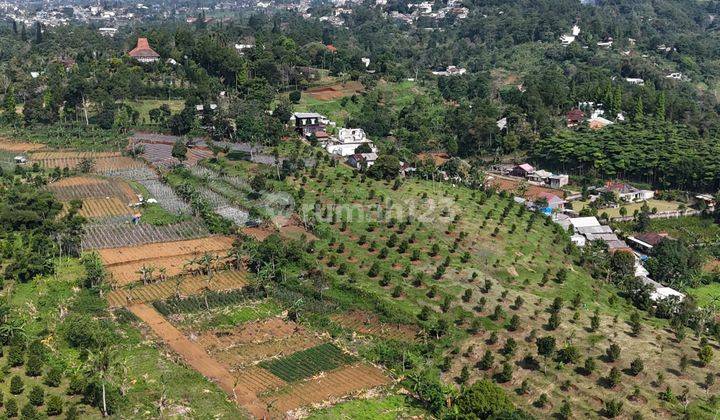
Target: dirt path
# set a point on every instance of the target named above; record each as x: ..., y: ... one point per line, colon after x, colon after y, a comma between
x: 199, y: 360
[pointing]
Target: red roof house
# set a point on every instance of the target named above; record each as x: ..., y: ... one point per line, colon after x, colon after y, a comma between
x: 143, y: 53
x: 575, y: 117
x: 331, y: 48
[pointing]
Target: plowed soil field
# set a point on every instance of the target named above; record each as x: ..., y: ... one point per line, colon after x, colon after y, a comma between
x: 84, y: 187
x: 256, y: 341
x: 199, y: 360
x: 190, y: 285
x: 19, y: 147
x: 124, y: 263
x: 105, y: 207
x: 338, y: 383
x: 102, y: 161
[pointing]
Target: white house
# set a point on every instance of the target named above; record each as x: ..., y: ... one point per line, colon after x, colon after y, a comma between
x: 635, y: 81
x: 451, y: 71
x: 347, y: 141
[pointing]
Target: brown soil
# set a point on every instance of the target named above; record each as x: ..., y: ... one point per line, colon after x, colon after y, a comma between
x: 256, y: 341
x: 336, y: 91
x: 190, y: 285
x: 335, y: 384
x: 533, y: 191
x: 124, y: 263
x: 19, y: 147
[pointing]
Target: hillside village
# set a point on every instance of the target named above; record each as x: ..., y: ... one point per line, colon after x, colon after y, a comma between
x: 443, y: 209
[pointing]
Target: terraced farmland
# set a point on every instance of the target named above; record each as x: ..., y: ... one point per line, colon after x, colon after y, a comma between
x: 125, y: 263
x: 122, y: 233
x: 165, y: 196
x: 187, y: 286
x: 84, y: 187
x: 102, y: 161
x: 255, y: 341
x: 338, y: 383
x: 19, y: 147
x: 105, y: 207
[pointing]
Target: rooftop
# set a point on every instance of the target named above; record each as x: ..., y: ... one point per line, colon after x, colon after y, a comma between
x: 581, y: 222
x: 143, y: 50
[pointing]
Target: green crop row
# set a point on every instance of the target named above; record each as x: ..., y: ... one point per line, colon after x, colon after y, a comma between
x: 206, y: 301
x: 307, y: 363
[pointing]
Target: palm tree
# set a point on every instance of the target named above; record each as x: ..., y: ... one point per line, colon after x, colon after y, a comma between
x: 97, y: 368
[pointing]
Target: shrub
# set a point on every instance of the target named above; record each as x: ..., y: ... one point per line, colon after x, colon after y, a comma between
x: 53, y: 377
x: 487, y: 361
x: 16, y: 356
x: 506, y: 373
x: 514, y: 323
x: 705, y: 355
x: 613, y: 352
x: 374, y: 270
x: 36, y: 396
x: 16, y: 385
x: 614, y: 377
x: 612, y: 408
x: 28, y: 412
x: 54, y: 405
x: 34, y: 365
x: 11, y: 408
x: 636, y: 366
x: 385, y: 280
x: 76, y: 385
x: 569, y: 354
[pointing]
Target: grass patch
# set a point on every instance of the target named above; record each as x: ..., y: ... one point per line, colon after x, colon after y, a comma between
x: 660, y: 205
x: 383, y: 408
x: 143, y: 106
x: 707, y: 295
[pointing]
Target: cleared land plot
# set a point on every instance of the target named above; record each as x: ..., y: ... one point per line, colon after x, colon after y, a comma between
x: 105, y: 207
x: 123, y: 233
x: 258, y: 380
x: 83, y: 187
x: 660, y: 205
x: 335, y: 91
x: 335, y: 384
x: 124, y: 263
x: 256, y: 341
x: 307, y: 363
x: 160, y: 154
x: 102, y: 161
x: 512, y: 184
x: 370, y: 324
x: 19, y: 147
x: 188, y: 286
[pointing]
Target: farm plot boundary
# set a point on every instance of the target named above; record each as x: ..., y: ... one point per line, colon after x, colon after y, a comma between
x: 122, y: 233
x: 307, y: 363
x: 335, y: 384
x: 187, y: 286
